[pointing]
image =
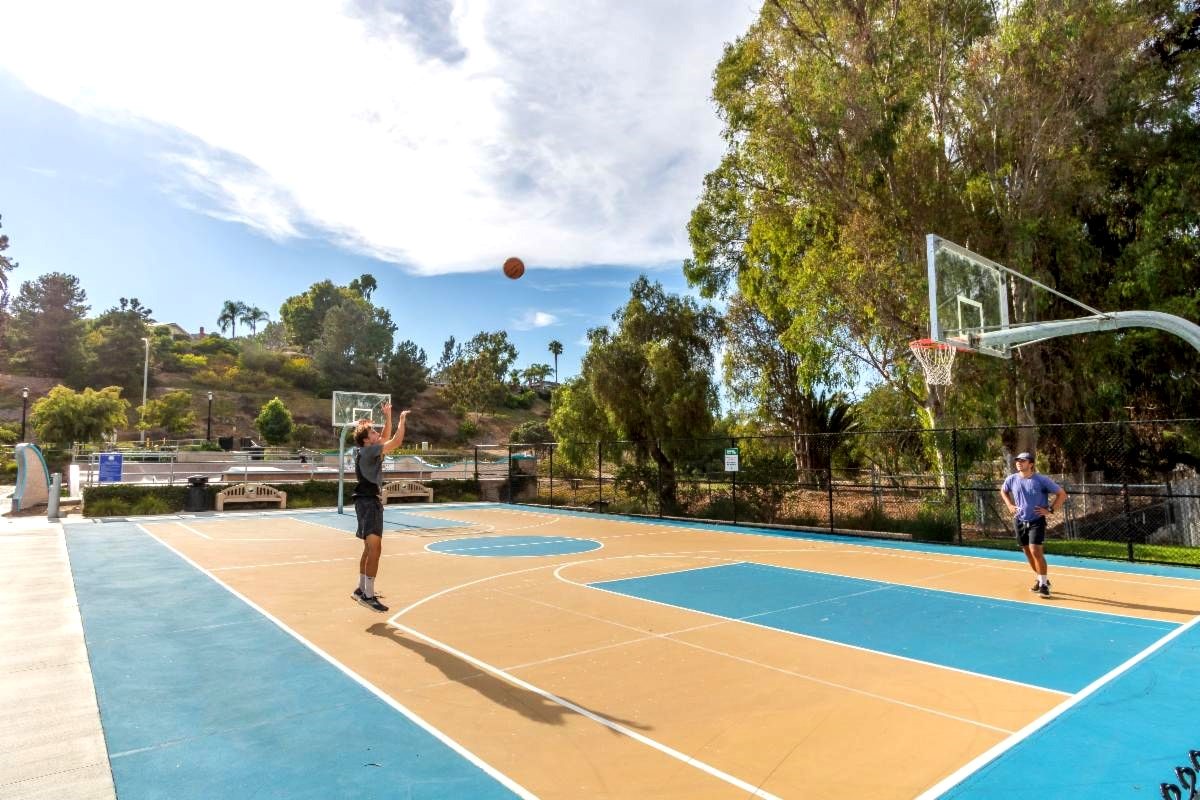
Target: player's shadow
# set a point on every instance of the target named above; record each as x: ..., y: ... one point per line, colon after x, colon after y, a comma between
x: 526, y: 703
x: 1105, y: 601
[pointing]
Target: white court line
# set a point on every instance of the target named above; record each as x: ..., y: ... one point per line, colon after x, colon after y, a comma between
x: 391, y: 701
x: 190, y: 529
x: 977, y: 763
x: 690, y: 761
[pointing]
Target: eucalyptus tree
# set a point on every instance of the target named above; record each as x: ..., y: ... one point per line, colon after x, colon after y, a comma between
x: 853, y: 129
x: 648, y: 380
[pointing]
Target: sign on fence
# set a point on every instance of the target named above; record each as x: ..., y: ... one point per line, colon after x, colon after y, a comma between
x: 110, y: 467
x: 731, y: 459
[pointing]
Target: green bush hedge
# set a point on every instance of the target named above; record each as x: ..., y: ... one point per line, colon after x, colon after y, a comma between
x: 127, y: 500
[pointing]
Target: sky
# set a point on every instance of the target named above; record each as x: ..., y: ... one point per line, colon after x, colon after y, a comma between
x: 189, y: 153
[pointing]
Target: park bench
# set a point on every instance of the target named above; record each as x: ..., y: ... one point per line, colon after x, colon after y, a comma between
x: 251, y: 493
x: 407, y: 489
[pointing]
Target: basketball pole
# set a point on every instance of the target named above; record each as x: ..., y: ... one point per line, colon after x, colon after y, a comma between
x: 1040, y: 331
x: 342, y: 465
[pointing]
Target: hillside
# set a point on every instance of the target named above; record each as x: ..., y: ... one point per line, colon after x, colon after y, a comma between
x: 431, y: 419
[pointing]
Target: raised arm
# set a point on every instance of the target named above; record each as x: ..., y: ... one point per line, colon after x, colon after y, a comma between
x: 386, y: 433
x: 398, y: 437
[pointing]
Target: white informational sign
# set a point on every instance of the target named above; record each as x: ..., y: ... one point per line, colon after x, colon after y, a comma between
x: 731, y: 459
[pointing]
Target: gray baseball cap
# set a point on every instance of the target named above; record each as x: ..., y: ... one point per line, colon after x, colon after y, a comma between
x: 1023, y: 456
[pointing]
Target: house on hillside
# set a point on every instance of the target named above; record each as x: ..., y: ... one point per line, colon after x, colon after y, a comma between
x: 175, y: 329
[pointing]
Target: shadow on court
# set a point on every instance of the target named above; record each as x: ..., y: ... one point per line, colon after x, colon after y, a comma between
x: 1191, y: 612
x: 526, y: 703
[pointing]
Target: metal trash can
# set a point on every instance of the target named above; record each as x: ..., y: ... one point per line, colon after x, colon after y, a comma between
x: 197, y: 497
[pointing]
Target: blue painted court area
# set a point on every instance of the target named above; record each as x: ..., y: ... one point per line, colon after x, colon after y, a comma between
x: 201, y: 696
x: 1031, y: 643
x: 515, y: 546
x: 1149, y: 711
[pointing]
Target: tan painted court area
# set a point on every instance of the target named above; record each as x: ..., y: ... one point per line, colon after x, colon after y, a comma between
x: 573, y: 690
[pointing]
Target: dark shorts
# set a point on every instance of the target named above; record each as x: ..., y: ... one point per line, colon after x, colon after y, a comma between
x: 370, y: 516
x: 1031, y: 532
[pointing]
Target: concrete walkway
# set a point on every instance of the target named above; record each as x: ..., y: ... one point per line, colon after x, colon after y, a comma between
x: 51, y: 742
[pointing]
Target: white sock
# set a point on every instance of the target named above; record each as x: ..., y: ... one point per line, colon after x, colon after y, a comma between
x: 1043, y: 580
x: 368, y: 586
x: 362, y: 583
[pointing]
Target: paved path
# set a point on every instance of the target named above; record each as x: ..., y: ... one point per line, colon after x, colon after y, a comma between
x: 51, y: 742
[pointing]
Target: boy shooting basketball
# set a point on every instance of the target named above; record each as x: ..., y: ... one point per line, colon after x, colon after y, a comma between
x: 368, y: 498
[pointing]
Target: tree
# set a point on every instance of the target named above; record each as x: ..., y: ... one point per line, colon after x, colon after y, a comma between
x: 7, y: 265
x: 407, y: 376
x: 649, y: 380
x: 556, y: 350
x: 115, y: 351
x: 231, y: 312
x: 47, y: 326
x: 303, y: 315
x: 274, y: 422
x: 475, y: 380
x: 355, y: 342
x: 852, y: 130
x: 364, y: 286
x: 64, y: 416
x: 535, y: 431
x: 172, y: 412
x: 252, y: 316
x: 535, y: 373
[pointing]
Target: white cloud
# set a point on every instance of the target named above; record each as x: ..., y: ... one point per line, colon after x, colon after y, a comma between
x: 443, y: 135
x: 534, y: 319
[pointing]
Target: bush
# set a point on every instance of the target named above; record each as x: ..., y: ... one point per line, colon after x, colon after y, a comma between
x: 467, y: 429
x: 191, y: 362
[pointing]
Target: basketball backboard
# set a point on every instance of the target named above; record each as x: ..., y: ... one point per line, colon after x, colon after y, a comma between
x: 350, y: 407
x: 968, y: 295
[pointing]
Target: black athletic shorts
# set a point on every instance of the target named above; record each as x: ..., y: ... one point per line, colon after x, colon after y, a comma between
x: 369, y: 511
x: 1031, y: 532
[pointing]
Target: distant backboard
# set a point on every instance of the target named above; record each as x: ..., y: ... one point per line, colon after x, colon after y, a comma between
x: 968, y: 296
x: 350, y: 407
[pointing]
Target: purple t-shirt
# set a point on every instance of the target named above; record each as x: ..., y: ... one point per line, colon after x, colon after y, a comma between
x: 1029, y: 493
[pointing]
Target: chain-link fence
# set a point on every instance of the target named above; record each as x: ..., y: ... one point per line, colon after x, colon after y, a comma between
x: 1134, y: 487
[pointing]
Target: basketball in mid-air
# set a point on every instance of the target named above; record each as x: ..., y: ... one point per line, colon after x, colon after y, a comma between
x: 514, y: 267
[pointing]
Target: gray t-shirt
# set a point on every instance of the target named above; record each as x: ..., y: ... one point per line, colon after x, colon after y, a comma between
x: 368, y: 471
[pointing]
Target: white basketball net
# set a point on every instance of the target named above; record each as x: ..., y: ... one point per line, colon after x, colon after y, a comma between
x: 936, y: 358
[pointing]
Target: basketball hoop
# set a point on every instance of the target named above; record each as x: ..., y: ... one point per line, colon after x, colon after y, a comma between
x: 936, y: 358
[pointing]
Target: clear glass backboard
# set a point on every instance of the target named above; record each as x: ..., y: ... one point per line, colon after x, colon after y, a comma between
x: 350, y: 407
x: 968, y: 296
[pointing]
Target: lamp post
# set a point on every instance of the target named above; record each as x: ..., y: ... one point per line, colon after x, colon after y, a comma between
x: 145, y: 383
x: 208, y: 435
x: 24, y: 408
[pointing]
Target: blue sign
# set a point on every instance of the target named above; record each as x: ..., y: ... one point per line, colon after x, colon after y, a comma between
x: 110, y: 467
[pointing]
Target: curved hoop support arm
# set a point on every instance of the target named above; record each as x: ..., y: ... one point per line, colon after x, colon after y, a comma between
x: 1026, y: 334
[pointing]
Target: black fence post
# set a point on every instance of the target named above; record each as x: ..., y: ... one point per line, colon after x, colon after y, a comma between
x: 957, y: 493
x: 552, y: 446
x: 511, y: 499
x: 733, y: 488
x: 658, y: 479
x: 1125, y: 490
x: 600, y: 475
x: 829, y: 478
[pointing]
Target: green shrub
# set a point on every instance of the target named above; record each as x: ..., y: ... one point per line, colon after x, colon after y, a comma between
x: 150, y: 505
x: 106, y: 507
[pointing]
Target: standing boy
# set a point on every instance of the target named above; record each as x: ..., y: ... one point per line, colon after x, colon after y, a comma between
x: 1031, y: 497
x: 368, y: 498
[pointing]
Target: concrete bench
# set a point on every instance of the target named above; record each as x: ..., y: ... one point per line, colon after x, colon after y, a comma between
x: 406, y: 489
x: 251, y: 493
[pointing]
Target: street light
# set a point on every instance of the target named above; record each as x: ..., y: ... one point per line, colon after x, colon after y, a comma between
x: 24, y: 407
x: 208, y: 436
x: 145, y: 383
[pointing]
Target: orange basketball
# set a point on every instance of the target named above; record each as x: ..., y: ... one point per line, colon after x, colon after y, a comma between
x: 514, y: 267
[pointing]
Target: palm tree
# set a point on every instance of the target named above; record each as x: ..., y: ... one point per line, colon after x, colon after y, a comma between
x: 231, y: 312
x: 252, y: 315
x: 556, y: 349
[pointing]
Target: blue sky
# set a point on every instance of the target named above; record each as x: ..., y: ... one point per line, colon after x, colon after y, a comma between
x: 186, y: 154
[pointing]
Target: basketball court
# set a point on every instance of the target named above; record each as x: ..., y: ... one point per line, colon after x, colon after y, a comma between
x: 538, y: 653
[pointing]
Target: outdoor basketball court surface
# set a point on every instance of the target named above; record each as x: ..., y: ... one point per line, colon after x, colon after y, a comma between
x: 538, y: 653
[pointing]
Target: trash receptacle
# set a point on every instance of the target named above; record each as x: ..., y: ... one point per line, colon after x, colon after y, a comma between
x: 197, y: 497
